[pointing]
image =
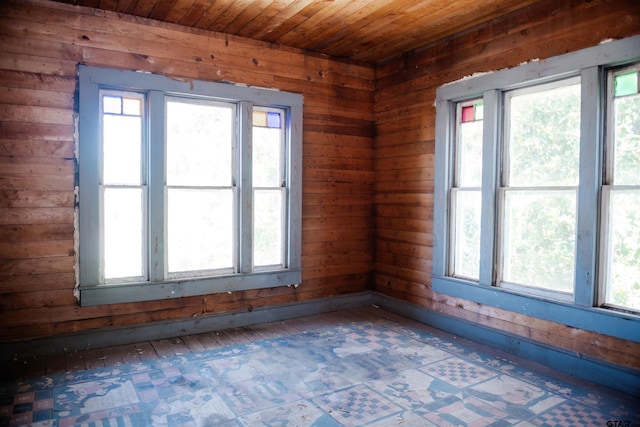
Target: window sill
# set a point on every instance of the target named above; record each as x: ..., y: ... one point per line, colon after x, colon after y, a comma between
x: 600, y: 320
x: 146, y: 291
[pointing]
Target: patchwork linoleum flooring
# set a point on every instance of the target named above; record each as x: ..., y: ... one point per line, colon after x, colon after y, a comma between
x: 364, y: 367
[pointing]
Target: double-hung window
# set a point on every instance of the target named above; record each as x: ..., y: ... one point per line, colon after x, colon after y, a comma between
x: 185, y: 188
x: 466, y: 191
x: 537, y: 192
x: 620, y: 225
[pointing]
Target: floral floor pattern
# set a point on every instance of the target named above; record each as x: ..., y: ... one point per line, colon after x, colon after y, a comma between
x: 373, y: 373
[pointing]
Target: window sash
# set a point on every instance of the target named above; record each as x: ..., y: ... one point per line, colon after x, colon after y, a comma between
x: 463, y: 262
x: 262, y: 183
x: 617, y: 240
x: 530, y: 279
x: 619, y: 230
x: 466, y: 182
x: 109, y: 165
x: 550, y: 233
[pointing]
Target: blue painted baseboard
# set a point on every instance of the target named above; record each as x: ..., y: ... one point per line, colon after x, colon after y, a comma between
x: 162, y: 330
x: 613, y: 376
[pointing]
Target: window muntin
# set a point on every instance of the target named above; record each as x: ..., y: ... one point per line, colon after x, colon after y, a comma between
x: 147, y: 202
x: 467, y: 191
x: 620, y: 226
x: 539, y: 190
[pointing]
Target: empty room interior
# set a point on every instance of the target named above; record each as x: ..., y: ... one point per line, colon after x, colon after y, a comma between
x: 450, y: 234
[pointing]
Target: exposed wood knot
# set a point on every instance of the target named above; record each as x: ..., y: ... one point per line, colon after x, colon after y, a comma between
x: 255, y: 61
x: 212, y: 56
x: 198, y: 59
x: 141, y: 56
x: 250, y: 308
x: 84, y: 37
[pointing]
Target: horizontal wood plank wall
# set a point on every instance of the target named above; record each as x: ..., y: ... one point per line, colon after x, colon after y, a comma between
x: 41, y: 44
x: 404, y: 160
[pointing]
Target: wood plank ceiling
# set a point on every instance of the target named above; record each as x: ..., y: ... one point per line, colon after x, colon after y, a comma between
x: 371, y: 31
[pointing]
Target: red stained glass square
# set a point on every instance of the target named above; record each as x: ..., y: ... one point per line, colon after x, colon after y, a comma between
x: 467, y: 114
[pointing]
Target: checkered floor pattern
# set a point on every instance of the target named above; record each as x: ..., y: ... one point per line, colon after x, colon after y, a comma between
x: 367, y: 370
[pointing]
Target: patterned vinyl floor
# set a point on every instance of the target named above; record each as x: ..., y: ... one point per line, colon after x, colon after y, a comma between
x: 362, y: 367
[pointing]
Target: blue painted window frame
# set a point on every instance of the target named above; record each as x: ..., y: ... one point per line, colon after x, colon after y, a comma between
x: 582, y: 312
x: 90, y: 290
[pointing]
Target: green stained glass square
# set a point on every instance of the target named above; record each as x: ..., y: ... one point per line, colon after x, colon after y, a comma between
x: 479, y: 111
x: 626, y: 84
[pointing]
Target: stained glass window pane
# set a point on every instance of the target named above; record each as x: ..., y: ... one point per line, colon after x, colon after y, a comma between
x: 626, y: 84
x: 273, y: 120
x: 479, y: 111
x: 468, y: 114
x: 259, y: 118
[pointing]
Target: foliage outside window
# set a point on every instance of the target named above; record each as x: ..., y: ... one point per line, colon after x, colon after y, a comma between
x: 539, y: 183
x: 185, y: 189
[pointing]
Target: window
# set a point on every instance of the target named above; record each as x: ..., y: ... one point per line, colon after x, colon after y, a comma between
x: 537, y: 192
x: 539, y: 185
x: 185, y: 188
x: 466, y: 191
x: 621, y: 192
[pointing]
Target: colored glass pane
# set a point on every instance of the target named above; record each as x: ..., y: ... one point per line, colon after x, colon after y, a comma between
x: 468, y: 114
x: 479, y: 111
x: 626, y: 84
x: 273, y: 120
x: 259, y: 118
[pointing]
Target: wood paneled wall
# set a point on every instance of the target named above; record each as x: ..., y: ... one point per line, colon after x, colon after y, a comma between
x: 41, y: 44
x: 404, y: 156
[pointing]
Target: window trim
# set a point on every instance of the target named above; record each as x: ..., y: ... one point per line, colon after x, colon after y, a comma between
x: 91, y: 80
x: 582, y: 312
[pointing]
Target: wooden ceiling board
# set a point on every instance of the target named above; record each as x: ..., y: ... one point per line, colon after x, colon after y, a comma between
x: 265, y: 20
x: 123, y: 6
x: 371, y: 31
